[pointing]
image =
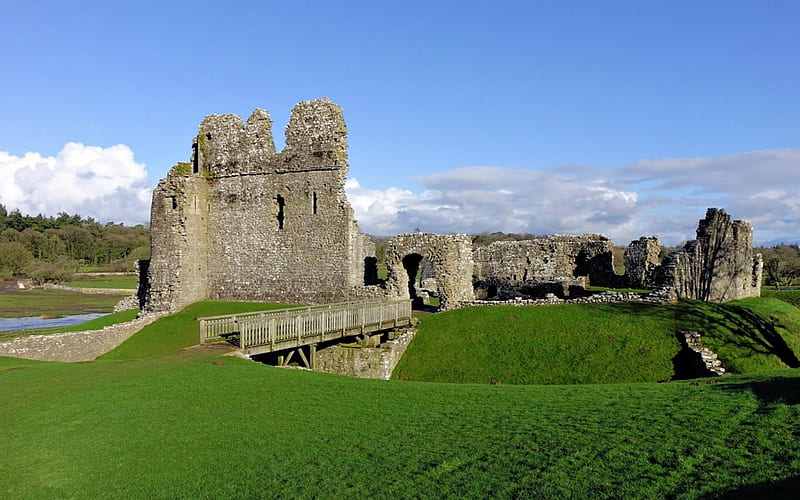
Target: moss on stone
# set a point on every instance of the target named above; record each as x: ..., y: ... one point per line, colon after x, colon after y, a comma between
x: 182, y: 168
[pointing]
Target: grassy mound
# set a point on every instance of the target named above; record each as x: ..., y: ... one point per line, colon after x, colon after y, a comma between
x: 177, y: 331
x: 195, y: 424
x: 748, y: 335
x: 592, y: 343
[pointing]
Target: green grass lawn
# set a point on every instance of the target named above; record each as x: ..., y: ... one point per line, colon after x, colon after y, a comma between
x: 38, y: 302
x: 195, y: 424
x: 595, y: 343
x: 154, y: 419
x: 130, y: 282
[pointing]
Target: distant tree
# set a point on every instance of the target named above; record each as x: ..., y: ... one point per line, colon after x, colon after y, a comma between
x: 781, y: 264
x: 14, y: 257
x: 16, y: 221
x: 49, y: 272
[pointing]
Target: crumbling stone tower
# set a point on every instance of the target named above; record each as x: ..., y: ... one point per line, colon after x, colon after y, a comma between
x: 244, y: 222
x: 720, y: 265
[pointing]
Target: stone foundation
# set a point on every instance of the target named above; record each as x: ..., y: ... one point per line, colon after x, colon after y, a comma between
x: 364, y: 362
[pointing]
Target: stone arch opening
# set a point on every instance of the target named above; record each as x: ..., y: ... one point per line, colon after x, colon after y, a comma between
x: 442, y: 263
x: 412, y: 263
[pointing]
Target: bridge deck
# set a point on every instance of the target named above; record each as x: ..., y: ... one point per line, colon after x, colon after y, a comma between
x: 276, y: 330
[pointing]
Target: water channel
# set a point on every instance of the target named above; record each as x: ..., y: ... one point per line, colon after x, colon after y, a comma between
x: 8, y: 324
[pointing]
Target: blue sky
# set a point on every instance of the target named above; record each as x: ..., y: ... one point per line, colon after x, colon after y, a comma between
x: 626, y: 118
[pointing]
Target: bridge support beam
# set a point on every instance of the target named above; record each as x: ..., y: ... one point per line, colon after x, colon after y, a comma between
x: 309, y: 361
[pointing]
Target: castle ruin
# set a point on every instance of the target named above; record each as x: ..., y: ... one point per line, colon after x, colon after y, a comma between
x: 243, y: 222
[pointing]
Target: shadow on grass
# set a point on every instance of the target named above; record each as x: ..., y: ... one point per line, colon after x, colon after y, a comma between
x: 785, y: 488
x: 779, y: 389
x: 737, y: 325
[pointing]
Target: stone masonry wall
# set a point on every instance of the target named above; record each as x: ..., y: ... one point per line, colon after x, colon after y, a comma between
x: 243, y: 222
x: 364, y: 362
x: 719, y: 266
x: 642, y: 258
x: 548, y: 257
x: 449, y: 257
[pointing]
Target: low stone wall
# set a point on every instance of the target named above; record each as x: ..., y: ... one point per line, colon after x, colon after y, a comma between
x: 664, y: 296
x: 90, y: 291
x: 706, y: 362
x: 74, y: 346
x: 364, y: 362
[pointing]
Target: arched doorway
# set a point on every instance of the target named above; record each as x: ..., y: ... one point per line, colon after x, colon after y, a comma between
x: 442, y: 262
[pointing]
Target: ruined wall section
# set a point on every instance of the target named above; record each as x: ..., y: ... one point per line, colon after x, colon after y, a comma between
x: 176, y: 275
x: 642, y: 259
x: 548, y: 257
x: 450, y: 258
x: 719, y: 265
x: 225, y: 146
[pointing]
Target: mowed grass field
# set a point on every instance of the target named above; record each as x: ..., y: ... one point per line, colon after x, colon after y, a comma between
x: 157, y: 418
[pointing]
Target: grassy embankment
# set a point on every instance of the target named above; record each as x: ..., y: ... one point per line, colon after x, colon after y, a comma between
x: 596, y: 343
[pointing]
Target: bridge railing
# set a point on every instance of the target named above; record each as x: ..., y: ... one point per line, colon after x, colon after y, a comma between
x: 303, y: 325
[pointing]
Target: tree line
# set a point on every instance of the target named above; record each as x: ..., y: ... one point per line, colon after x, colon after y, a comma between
x: 50, y: 248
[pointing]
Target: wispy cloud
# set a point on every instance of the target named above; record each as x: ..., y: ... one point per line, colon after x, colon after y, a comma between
x: 662, y: 197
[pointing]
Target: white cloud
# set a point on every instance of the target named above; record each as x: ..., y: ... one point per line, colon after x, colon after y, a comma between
x: 664, y: 197
x: 104, y: 183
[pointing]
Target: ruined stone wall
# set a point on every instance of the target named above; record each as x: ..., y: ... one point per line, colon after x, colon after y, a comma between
x: 450, y: 259
x: 642, y: 258
x: 548, y: 257
x: 718, y: 266
x: 244, y: 222
x: 179, y: 242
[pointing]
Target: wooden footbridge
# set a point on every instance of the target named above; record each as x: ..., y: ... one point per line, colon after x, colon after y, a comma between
x: 290, y: 329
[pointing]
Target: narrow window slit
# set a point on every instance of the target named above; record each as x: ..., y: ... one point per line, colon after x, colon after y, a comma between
x: 281, y: 214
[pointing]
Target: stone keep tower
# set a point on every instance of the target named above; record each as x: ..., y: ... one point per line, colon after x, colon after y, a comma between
x: 244, y: 222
